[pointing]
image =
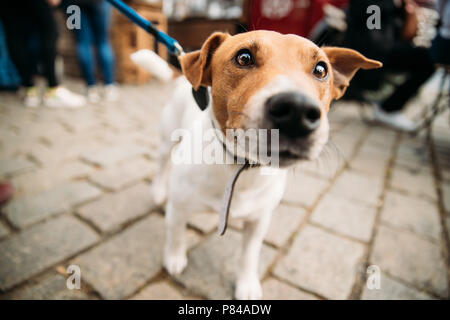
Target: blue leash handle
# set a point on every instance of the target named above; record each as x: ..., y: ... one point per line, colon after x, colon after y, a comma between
x: 171, y: 44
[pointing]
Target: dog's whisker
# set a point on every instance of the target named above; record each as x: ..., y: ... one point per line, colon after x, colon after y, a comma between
x: 339, y: 156
x: 327, y: 158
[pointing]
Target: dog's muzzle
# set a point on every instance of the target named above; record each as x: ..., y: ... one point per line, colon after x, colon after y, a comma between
x: 293, y: 114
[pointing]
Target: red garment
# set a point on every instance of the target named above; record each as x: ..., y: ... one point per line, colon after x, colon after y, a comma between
x: 289, y: 16
x: 6, y: 192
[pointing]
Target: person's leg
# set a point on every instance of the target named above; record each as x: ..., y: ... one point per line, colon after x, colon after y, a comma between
x: 417, y: 62
x: 100, y: 25
x: 17, y: 40
x: 84, y: 40
x: 48, y: 33
x: 17, y: 19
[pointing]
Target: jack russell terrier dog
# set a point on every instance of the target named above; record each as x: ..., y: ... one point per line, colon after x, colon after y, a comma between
x: 258, y: 80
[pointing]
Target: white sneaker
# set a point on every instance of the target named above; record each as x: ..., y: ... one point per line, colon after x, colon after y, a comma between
x: 395, y: 120
x: 32, y: 98
x: 60, y: 97
x: 92, y: 94
x: 111, y: 93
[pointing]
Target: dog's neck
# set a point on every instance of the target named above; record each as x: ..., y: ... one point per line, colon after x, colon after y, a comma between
x: 243, y: 164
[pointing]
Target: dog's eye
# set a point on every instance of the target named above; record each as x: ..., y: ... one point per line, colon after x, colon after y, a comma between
x: 244, y: 58
x: 320, y: 70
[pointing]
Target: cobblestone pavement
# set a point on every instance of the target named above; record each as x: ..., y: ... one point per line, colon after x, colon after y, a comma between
x: 82, y: 178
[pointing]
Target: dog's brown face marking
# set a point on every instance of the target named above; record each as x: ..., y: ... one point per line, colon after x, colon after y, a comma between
x: 273, y: 54
x: 245, y: 70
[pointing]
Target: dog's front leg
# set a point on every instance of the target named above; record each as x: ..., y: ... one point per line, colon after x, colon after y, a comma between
x: 248, y: 285
x: 175, y: 259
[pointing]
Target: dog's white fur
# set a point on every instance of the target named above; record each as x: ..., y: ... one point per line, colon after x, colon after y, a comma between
x: 199, y: 188
x: 191, y: 188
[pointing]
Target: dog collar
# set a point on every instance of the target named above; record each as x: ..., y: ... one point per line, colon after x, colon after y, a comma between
x: 229, y: 189
x: 226, y: 199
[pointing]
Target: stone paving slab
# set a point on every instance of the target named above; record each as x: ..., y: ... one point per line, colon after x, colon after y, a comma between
x: 57, y: 154
x: 352, y: 219
x: 3, y: 230
x: 412, y: 157
x: 43, y: 179
x: 193, y: 238
x: 357, y: 186
x: 418, y: 184
x: 80, y: 122
x: 204, y: 221
x: 326, y: 167
x: 50, y: 288
x: 354, y: 128
x: 276, y: 290
x: 412, y: 259
x: 111, y: 155
x: 369, y: 165
x: 13, y: 165
x: 345, y: 143
x: 113, y: 210
x: 39, y: 247
x: 446, y: 196
x: 371, y: 160
x: 212, y: 266
x: 393, y: 290
x: 159, y: 291
x: 113, y: 146
x: 379, y: 150
x: 302, y: 189
x: 285, y: 221
x: 447, y: 224
x: 411, y: 213
x: 116, y: 178
x: 25, y: 211
x: 146, y: 137
x: 321, y: 262
x: 381, y: 138
x: 120, y: 266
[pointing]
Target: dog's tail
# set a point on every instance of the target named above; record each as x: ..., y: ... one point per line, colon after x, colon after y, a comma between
x: 158, y: 67
x: 154, y: 64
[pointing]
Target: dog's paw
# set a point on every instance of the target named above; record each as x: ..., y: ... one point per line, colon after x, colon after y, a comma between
x: 175, y: 264
x: 248, y: 289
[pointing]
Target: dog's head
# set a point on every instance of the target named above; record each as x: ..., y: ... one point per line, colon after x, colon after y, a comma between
x: 266, y: 80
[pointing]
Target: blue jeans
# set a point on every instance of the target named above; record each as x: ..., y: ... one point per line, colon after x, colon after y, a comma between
x: 95, y: 20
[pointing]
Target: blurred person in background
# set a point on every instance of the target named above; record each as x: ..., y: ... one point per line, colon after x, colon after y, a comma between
x: 21, y: 19
x: 95, y: 20
x: 392, y: 45
x: 440, y: 48
x: 9, y: 77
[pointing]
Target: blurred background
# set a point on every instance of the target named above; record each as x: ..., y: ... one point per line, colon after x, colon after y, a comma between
x: 79, y: 125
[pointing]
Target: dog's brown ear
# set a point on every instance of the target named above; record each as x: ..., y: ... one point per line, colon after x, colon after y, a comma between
x: 196, y: 65
x: 345, y: 63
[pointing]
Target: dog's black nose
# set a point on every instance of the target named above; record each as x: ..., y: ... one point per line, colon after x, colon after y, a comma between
x: 294, y: 114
